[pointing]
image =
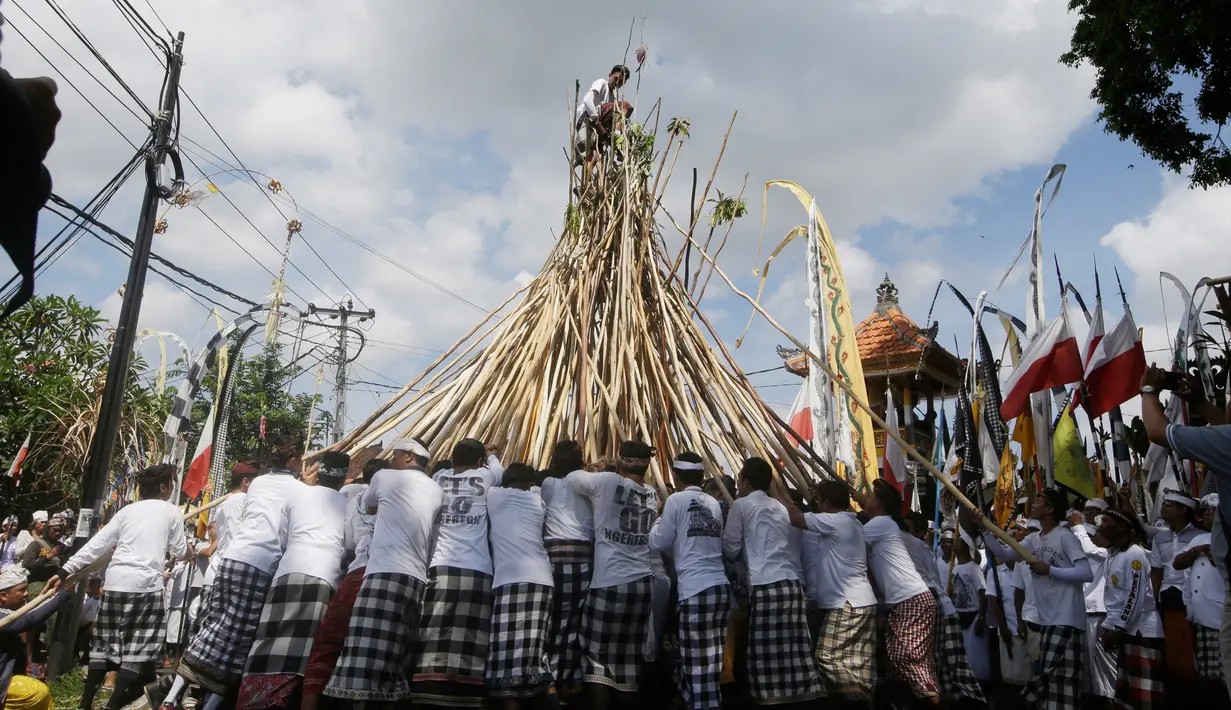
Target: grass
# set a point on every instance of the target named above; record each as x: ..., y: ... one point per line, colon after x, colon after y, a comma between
x: 66, y: 691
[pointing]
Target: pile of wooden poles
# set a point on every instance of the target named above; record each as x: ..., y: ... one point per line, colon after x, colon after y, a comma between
x: 604, y: 346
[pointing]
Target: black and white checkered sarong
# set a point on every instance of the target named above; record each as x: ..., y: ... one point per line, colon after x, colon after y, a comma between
x: 613, y: 633
x: 845, y: 651
x: 1209, y: 655
x: 1058, y: 687
x: 288, y: 624
x: 453, y: 639
x: 953, y: 671
x: 128, y: 629
x: 233, y: 610
x: 780, y: 664
x: 703, y: 637
x: 517, y: 665
x: 380, y: 639
x: 570, y: 568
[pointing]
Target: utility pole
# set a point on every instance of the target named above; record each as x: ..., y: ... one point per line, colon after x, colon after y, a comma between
x: 102, y: 445
x: 343, y: 311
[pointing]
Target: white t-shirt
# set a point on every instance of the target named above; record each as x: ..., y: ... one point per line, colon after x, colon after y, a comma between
x: 759, y: 528
x: 406, y: 504
x: 353, y: 489
x: 1097, y: 556
x: 1024, y: 580
x: 568, y: 514
x: 624, y: 513
x: 1206, y: 588
x: 598, y: 94
x: 225, y: 520
x: 1006, y: 586
x: 893, y: 570
x: 968, y: 581
x: 461, y: 524
x: 690, y: 530
x: 840, y: 558
x: 142, y: 534
x: 1129, y: 596
x: 517, y: 537
x: 1163, y: 547
x: 260, y: 537
x: 316, y: 525
x: 1056, y: 603
x: 930, y: 572
x: 357, y: 536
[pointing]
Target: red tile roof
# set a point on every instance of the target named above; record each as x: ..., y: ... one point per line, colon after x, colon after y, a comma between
x: 888, y: 340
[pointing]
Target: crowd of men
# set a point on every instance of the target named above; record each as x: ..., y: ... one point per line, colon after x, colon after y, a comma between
x: 460, y: 583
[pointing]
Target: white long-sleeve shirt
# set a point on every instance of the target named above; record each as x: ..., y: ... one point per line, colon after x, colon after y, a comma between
x: 357, y: 534
x: 598, y: 94
x: 316, y: 522
x: 406, y: 503
x: 1129, y: 598
x: 260, y: 536
x: 1098, y: 558
x: 759, y: 529
x: 690, y: 529
x: 1058, y: 602
x: 141, y: 534
x: 1206, y: 590
x: 1163, y: 548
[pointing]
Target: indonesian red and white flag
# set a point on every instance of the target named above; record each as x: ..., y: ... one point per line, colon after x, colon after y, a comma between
x: 800, y: 419
x: 197, y: 475
x: 1093, y: 336
x: 1051, y: 360
x: 895, y: 458
x: 1113, y: 375
x: 20, y: 459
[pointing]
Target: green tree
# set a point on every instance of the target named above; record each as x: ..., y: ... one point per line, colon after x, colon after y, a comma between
x: 53, y: 361
x: 1139, y: 49
x: 261, y: 388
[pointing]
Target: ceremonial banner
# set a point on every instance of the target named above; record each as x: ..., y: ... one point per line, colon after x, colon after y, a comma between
x: 1072, y: 467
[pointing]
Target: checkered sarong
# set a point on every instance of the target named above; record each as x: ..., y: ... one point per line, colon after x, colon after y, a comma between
x: 703, y: 636
x: 613, y: 633
x: 910, y: 638
x: 570, y: 568
x: 1058, y: 686
x: 517, y: 665
x: 780, y: 664
x: 384, y: 625
x: 220, y: 649
x: 128, y: 629
x: 1140, y: 683
x: 845, y: 650
x: 331, y: 634
x: 288, y: 624
x: 952, y: 666
x: 1209, y: 655
x: 452, y: 657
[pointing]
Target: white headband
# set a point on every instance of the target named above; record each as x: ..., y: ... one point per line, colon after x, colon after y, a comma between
x: 1210, y: 500
x: 687, y: 466
x: 40, y: 516
x: 1033, y: 524
x: 412, y: 446
x: 1097, y: 504
x: 12, y: 576
x: 1177, y: 497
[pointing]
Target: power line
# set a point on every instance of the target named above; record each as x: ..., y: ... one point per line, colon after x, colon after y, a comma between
x: 250, y: 256
x: 72, y: 26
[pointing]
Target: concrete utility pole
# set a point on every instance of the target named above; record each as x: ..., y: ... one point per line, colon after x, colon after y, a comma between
x: 343, y: 311
x: 102, y: 445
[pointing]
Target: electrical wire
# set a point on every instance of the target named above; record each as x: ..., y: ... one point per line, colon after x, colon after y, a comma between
x: 72, y: 26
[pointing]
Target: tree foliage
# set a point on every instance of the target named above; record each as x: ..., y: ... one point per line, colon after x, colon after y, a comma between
x: 53, y: 362
x: 1140, y: 49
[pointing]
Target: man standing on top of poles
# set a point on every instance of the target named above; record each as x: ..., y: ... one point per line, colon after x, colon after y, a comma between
x: 594, y: 117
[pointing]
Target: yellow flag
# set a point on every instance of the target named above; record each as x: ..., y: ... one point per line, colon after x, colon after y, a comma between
x: 1005, y: 489
x: 1023, y: 434
x: 203, y: 518
x: 1072, y: 467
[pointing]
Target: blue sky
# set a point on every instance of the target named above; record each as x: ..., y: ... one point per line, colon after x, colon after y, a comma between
x: 433, y: 132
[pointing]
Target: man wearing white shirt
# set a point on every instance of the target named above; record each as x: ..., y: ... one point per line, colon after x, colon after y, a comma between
x: 215, y: 659
x: 356, y: 541
x: 383, y: 628
x: 457, y: 605
x: 1178, y: 512
x: 690, y: 531
x: 1204, y: 595
x: 911, y: 634
x: 1057, y: 580
x: 1099, y: 679
x: 1014, y: 657
x: 306, y: 577
x: 586, y: 119
x: 780, y: 664
x: 127, y: 634
x: 568, y: 535
x: 517, y: 667
x: 614, y: 627
x: 1132, y: 630
x: 845, y: 646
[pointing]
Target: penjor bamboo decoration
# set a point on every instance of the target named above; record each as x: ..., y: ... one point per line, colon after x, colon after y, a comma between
x: 602, y: 347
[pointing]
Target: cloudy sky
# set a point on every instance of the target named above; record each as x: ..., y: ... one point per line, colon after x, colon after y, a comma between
x: 434, y: 131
